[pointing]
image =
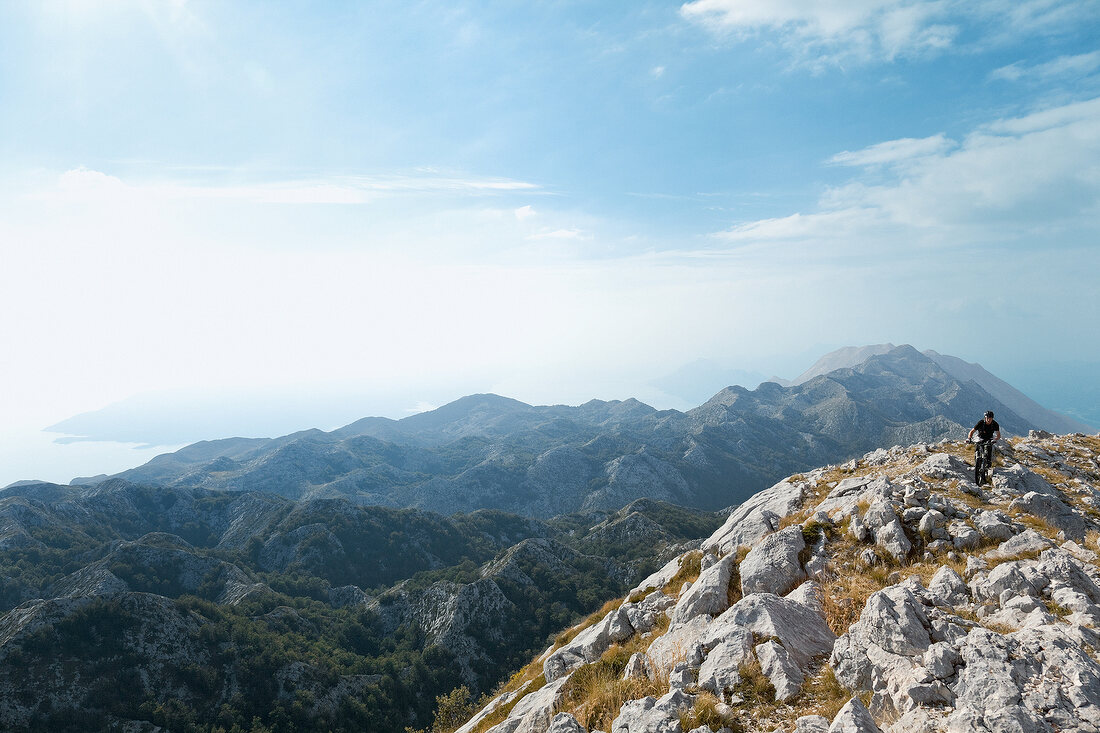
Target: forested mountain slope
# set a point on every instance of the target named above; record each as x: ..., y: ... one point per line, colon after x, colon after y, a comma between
x: 194, y: 609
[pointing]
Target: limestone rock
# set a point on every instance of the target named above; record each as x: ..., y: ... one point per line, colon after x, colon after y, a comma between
x: 844, y: 497
x: 588, y: 645
x: 660, y: 578
x: 1017, y: 480
x: 885, y: 649
x: 994, y: 525
x: 778, y: 667
x: 644, y: 614
x: 854, y: 718
x: 757, y: 516
x: 880, y: 514
x: 680, y: 643
x: 565, y: 723
x: 709, y: 594
x: 719, y: 670
x: 891, y: 537
x: 949, y: 587
x: 811, y: 724
x: 964, y: 537
x: 533, y: 713
x: 1035, y: 679
x: 932, y: 525
x: 811, y: 595
x: 944, y: 466
x: 1055, y: 511
x: 801, y: 631
x: 1026, y: 542
x: 772, y: 566
x: 652, y: 715
x: 680, y: 678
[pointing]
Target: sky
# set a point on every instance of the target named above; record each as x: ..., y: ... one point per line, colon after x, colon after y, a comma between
x: 294, y: 214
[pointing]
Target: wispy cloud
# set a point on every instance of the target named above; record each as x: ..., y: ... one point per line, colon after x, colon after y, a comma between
x: 894, y: 151
x: 1064, y: 66
x: 839, y: 31
x: 84, y: 182
x: 800, y: 226
x: 834, y: 28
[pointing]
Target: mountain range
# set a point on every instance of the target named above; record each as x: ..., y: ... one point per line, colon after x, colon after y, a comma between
x: 492, y: 452
x: 299, y: 583
x: 132, y: 607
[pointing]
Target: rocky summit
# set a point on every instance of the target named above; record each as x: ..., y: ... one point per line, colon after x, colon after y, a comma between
x: 890, y: 593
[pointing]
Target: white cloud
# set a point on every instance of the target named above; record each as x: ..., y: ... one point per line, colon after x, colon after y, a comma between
x: 799, y: 226
x: 894, y: 151
x: 1064, y: 66
x: 836, y: 31
x: 525, y: 212
x: 861, y: 28
x: 1008, y: 180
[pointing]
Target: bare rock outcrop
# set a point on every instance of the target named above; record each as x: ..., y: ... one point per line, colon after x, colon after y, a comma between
x: 959, y: 610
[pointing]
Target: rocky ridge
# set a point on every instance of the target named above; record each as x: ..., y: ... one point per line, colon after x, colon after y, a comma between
x: 890, y: 594
x: 491, y: 452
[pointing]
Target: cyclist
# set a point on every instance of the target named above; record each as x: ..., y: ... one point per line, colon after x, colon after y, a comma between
x: 988, y: 431
x: 987, y: 428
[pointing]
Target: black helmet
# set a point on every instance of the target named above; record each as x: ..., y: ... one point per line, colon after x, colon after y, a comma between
x: 989, y: 413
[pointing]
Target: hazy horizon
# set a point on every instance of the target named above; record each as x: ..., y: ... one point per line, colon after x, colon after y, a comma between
x: 128, y: 433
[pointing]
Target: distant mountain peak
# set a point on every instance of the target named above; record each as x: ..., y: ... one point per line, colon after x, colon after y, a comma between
x: 846, y: 357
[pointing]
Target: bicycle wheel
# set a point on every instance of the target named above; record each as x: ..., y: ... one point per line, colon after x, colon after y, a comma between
x: 979, y: 465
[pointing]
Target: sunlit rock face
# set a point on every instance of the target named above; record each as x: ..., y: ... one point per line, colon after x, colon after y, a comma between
x: 931, y: 604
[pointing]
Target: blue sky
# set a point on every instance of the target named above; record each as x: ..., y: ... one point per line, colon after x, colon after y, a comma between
x: 409, y: 201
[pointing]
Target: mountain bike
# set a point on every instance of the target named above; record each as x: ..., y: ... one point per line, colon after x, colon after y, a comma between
x: 983, y: 461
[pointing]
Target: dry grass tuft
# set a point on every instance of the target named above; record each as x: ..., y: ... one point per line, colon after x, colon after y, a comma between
x: 822, y: 694
x: 691, y: 565
x: 595, y: 692
x: 1040, y: 525
x: 705, y: 712
x: 999, y: 627
x: 925, y: 570
x: 792, y: 519
x: 847, y: 587
x: 754, y: 686
x: 1092, y: 540
x: 733, y: 590
x: 1090, y: 442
